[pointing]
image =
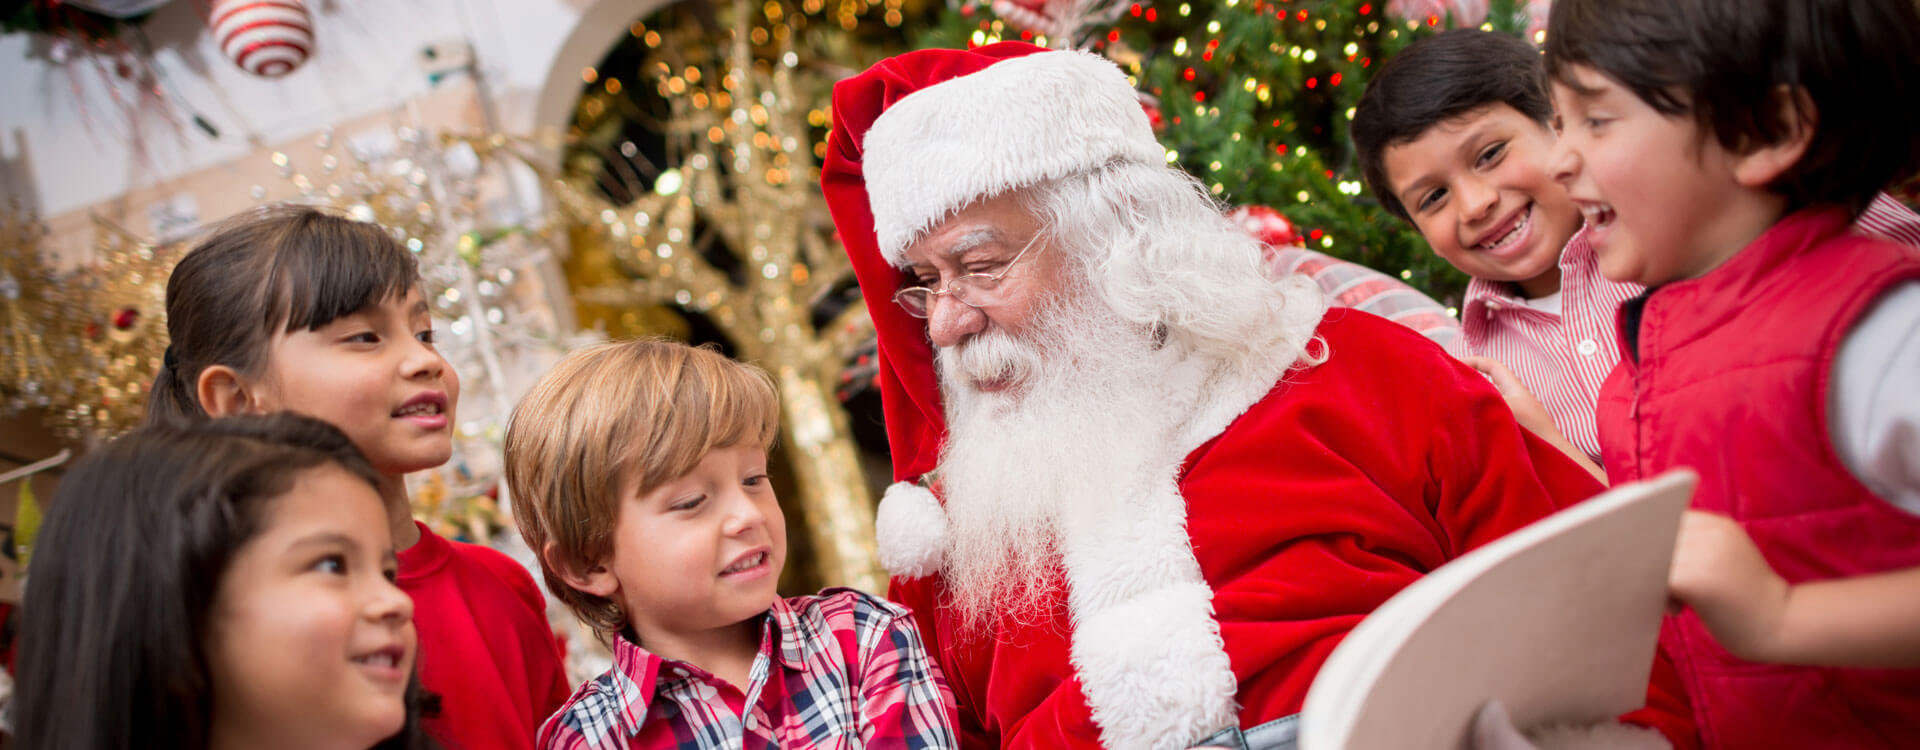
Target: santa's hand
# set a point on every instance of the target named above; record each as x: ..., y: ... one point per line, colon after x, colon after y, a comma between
x: 1493, y: 729
x: 1719, y: 572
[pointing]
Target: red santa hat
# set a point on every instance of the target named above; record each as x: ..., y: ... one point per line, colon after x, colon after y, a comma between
x: 922, y: 135
x: 915, y: 139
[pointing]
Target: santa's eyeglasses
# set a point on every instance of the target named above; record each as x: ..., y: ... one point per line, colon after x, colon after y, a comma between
x: 972, y: 290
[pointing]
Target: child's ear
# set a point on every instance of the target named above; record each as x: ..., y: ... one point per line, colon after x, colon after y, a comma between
x: 1793, y: 112
x: 596, y: 579
x: 224, y: 393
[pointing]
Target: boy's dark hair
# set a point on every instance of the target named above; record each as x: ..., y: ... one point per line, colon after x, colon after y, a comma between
x: 1437, y: 79
x: 1722, y: 61
x: 271, y: 271
x: 136, y: 542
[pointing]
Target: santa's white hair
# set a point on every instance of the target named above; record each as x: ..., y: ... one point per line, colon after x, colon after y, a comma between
x: 1158, y: 249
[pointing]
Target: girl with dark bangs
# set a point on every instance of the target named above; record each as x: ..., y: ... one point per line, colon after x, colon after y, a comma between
x: 246, y: 597
x: 294, y: 309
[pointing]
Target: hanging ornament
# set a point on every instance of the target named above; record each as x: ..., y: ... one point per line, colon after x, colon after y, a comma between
x: 125, y: 317
x: 1464, y: 13
x: 118, y: 8
x: 268, y: 38
x: 1266, y: 225
x: 1060, y: 21
x: 1155, y: 117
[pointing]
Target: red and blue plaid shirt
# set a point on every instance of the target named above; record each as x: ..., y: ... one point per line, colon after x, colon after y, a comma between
x: 840, y: 669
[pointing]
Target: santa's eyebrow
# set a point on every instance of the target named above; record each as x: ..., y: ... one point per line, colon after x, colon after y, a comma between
x: 971, y: 240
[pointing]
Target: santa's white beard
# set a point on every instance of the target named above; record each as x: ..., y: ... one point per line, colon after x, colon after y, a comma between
x: 1086, y: 412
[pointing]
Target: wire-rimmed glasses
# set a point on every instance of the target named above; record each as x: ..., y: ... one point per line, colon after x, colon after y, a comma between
x: 972, y: 290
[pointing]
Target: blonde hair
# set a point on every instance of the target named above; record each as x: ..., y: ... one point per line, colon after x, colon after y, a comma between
x: 624, y: 415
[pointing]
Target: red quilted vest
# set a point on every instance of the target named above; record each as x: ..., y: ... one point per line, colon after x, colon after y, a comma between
x: 1731, y: 379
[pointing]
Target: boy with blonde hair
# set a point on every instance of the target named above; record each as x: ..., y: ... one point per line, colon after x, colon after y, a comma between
x: 638, y: 475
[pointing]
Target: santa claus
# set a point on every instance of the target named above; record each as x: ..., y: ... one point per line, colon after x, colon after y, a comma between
x: 1145, y: 487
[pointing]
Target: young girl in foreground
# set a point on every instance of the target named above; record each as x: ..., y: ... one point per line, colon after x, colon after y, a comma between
x: 224, y: 585
x: 299, y: 310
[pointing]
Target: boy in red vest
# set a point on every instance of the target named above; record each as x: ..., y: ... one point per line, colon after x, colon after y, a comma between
x: 1719, y: 150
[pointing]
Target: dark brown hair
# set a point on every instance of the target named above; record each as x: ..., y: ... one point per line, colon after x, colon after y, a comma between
x: 1434, y: 80
x: 1725, y: 62
x: 272, y: 271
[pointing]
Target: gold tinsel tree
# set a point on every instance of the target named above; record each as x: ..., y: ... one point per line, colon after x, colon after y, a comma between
x: 732, y: 229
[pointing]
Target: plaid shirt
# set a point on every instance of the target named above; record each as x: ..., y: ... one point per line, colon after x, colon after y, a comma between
x: 1563, y: 358
x: 838, y: 670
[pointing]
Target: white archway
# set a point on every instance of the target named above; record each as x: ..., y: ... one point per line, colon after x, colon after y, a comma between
x: 599, y: 27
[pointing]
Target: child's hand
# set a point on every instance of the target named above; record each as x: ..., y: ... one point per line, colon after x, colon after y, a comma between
x: 1530, y: 414
x: 1526, y: 409
x: 1719, y: 572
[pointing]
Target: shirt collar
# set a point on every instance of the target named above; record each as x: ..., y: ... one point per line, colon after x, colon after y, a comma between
x: 639, y: 674
x: 635, y: 678
x: 1483, y: 297
x: 789, y: 629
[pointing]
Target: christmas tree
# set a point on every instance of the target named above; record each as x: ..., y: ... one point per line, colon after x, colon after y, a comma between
x: 1254, y: 97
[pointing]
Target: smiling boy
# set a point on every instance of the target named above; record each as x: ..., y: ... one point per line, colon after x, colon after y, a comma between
x: 638, y: 471
x: 1453, y: 135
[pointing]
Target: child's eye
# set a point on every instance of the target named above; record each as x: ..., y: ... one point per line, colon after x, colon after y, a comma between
x: 755, y: 480
x: 364, y: 337
x: 689, y: 503
x: 332, y: 564
x: 425, y: 337
x: 1432, y: 199
x: 1594, y: 123
x: 391, y: 573
x: 1492, y: 154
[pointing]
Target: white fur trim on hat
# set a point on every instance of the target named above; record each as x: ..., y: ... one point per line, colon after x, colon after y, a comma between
x: 1015, y: 123
x: 911, y: 530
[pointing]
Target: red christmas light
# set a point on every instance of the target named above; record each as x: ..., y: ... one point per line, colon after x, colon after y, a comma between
x: 1333, y: 80
x: 1312, y: 82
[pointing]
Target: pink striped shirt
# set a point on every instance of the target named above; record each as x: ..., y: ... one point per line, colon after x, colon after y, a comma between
x: 1563, y: 358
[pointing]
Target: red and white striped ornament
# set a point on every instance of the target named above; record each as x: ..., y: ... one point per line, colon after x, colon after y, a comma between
x: 268, y: 38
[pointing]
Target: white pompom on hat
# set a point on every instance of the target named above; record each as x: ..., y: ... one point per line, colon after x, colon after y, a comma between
x: 911, y: 528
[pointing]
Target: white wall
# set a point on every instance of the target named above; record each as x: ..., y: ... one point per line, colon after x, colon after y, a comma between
x: 67, y: 140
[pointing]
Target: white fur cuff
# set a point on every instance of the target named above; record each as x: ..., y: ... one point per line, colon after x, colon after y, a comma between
x: 911, y: 530
x: 1154, y: 669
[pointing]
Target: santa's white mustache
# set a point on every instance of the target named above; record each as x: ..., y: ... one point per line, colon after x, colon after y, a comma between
x: 992, y: 357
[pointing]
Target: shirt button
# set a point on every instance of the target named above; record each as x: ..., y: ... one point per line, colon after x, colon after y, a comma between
x: 753, y: 722
x: 1587, y: 347
x: 680, y: 673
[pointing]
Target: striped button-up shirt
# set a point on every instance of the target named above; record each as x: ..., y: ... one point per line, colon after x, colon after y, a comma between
x: 839, y: 670
x: 1564, y: 357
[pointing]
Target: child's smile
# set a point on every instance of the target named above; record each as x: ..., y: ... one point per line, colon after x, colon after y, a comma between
x: 1477, y: 188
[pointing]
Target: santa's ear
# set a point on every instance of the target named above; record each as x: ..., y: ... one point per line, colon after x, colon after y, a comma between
x: 596, y: 579
x: 1796, y: 118
x: 224, y: 392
